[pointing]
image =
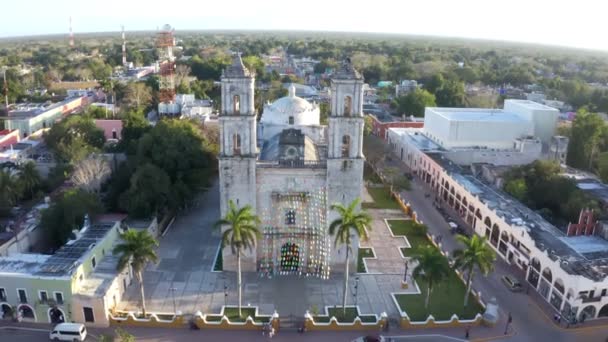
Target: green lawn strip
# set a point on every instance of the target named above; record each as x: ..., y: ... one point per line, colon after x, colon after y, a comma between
x: 233, y: 315
x: 405, y: 228
x: 351, y: 314
x: 219, y: 261
x: 382, y: 199
x: 447, y: 297
x: 363, y: 253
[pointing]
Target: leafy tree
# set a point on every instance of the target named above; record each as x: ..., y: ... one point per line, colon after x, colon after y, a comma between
x: 350, y: 222
x: 67, y: 214
x: 434, y: 83
x: 137, y: 249
x: 517, y: 188
x: 138, y: 95
x: 209, y: 69
x: 95, y: 112
x: 587, y: 131
x: 29, y: 178
x: 432, y: 268
x: 476, y: 254
x: 451, y: 94
x: 149, y: 192
x: 177, y: 147
x: 135, y: 126
x: 10, y: 190
x: 602, y: 166
x: 241, y: 234
x: 74, y: 138
x: 414, y: 102
x: 367, y: 129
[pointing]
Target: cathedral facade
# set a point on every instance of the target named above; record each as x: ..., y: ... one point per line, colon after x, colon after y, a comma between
x: 290, y: 169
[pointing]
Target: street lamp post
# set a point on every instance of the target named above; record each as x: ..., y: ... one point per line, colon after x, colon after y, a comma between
x: 173, y: 289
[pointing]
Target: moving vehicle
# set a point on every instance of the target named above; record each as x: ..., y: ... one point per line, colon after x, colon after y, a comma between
x: 512, y: 283
x: 69, y: 332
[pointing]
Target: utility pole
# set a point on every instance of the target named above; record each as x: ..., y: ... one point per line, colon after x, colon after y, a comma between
x: 173, y: 289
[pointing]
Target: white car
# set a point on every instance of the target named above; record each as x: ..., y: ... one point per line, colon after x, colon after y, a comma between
x: 69, y: 332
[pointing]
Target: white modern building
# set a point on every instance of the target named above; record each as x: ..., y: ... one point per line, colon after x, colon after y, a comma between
x: 490, y: 128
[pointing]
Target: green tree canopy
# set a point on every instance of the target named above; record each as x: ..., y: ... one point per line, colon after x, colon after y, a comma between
x: 74, y: 138
x: 67, y: 214
x: 414, y: 102
x: 149, y: 192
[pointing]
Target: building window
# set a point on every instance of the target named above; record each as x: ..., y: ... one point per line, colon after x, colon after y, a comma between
x: 291, y: 121
x: 348, y: 103
x: 236, y: 144
x: 345, y: 165
x: 114, y: 135
x: 2, y: 295
x: 88, y: 314
x: 22, y: 295
x: 44, y: 297
x: 236, y: 101
x: 93, y: 262
x: 290, y: 217
x: 59, y: 298
x: 81, y: 277
x: 345, y: 146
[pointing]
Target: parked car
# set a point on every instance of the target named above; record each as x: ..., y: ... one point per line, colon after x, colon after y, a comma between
x: 68, y: 332
x: 512, y: 283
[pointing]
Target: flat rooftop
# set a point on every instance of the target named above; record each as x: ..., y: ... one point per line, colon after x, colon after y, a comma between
x: 22, y: 263
x: 417, y: 138
x: 586, y: 256
x: 531, y: 104
x: 477, y: 114
x: 66, y: 258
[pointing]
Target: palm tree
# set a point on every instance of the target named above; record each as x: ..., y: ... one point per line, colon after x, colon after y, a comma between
x: 476, y: 253
x: 432, y: 267
x: 350, y: 221
x: 137, y: 249
x: 9, y: 189
x: 241, y: 234
x: 29, y: 177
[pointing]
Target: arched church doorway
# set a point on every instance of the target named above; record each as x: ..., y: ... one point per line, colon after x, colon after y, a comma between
x: 290, y: 257
x: 56, y: 315
x: 6, y: 311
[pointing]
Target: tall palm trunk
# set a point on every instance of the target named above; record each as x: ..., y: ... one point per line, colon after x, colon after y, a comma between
x: 345, y: 283
x: 469, y: 280
x: 238, y: 262
x: 141, y: 291
x: 428, y: 295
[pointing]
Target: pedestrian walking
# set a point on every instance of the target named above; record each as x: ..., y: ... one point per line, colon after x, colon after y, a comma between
x: 467, y: 332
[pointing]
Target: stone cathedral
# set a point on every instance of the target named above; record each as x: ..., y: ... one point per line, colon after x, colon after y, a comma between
x: 290, y: 169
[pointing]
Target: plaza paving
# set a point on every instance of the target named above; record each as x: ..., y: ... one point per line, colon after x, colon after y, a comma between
x: 187, y: 254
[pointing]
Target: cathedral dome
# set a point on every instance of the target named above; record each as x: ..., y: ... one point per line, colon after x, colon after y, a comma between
x: 291, y: 110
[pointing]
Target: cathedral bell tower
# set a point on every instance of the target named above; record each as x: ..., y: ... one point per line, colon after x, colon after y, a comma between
x: 238, y: 141
x: 345, y: 138
x: 345, y: 141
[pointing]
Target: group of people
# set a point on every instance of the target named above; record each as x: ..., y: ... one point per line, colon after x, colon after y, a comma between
x: 268, y: 330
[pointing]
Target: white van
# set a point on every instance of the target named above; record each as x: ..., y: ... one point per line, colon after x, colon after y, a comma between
x: 68, y: 332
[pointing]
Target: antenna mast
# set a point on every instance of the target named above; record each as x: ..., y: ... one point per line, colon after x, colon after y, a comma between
x: 71, y: 34
x: 124, y: 48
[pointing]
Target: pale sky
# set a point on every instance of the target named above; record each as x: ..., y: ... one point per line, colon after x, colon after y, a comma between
x: 576, y: 23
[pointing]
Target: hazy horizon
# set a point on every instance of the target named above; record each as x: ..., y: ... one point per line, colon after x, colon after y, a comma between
x: 554, y: 23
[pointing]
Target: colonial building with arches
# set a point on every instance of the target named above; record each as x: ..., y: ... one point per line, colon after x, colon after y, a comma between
x: 290, y: 169
x: 569, y: 272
